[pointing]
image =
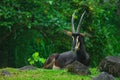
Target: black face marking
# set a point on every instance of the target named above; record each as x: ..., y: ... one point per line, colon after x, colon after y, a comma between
x: 76, y: 41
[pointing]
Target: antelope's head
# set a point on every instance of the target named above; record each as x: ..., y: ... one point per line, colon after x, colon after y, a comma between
x: 76, y: 35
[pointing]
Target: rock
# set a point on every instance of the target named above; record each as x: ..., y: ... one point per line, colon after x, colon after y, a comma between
x: 111, y: 65
x: 29, y: 67
x: 5, y: 73
x: 78, y: 68
x: 104, y: 76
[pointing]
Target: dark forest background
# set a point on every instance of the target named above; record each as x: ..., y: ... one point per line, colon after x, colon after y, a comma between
x: 31, y: 30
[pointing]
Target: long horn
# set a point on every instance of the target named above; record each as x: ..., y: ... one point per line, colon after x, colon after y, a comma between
x: 72, y: 21
x: 78, y: 28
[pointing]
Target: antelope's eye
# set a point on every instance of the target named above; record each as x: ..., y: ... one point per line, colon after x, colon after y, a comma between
x: 72, y: 37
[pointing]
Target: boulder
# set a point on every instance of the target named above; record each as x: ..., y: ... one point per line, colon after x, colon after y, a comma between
x: 78, y: 68
x: 104, y: 76
x: 5, y: 73
x: 28, y: 67
x: 111, y: 65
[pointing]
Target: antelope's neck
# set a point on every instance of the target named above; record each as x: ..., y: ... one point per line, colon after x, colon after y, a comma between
x: 81, y: 51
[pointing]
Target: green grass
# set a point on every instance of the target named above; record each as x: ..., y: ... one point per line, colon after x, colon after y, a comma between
x: 45, y: 74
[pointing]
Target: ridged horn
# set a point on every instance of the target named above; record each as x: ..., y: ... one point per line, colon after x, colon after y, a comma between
x: 79, y: 24
x: 72, y: 21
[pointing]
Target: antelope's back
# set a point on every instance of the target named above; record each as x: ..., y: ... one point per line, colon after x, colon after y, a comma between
x: 65, y: 58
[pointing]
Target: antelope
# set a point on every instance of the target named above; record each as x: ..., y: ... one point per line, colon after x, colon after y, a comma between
x: 78, y: 51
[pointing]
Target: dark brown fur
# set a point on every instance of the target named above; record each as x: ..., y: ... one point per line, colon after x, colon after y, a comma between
x: 49, y: 62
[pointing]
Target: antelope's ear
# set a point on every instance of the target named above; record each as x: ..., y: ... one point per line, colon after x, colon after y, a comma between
x: 67, y: 32
x: 82, y: 34
x: 85, y: 34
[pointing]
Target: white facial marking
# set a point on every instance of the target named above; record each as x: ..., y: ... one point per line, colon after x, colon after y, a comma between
x: 77, y: 43
x: 77, y: 38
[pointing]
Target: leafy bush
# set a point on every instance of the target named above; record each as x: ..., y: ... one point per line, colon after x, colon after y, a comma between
x: 36, y: 59
x: 104, y: 30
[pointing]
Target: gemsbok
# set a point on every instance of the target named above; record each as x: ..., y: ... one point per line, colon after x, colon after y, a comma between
x: 78, y: 52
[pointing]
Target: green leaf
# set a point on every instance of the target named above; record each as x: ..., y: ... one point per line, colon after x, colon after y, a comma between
x: 42, y: 60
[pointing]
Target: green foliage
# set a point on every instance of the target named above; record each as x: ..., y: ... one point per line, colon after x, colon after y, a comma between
x: 36, y: 59
x: 31, y: 26
x: 103, y: 30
